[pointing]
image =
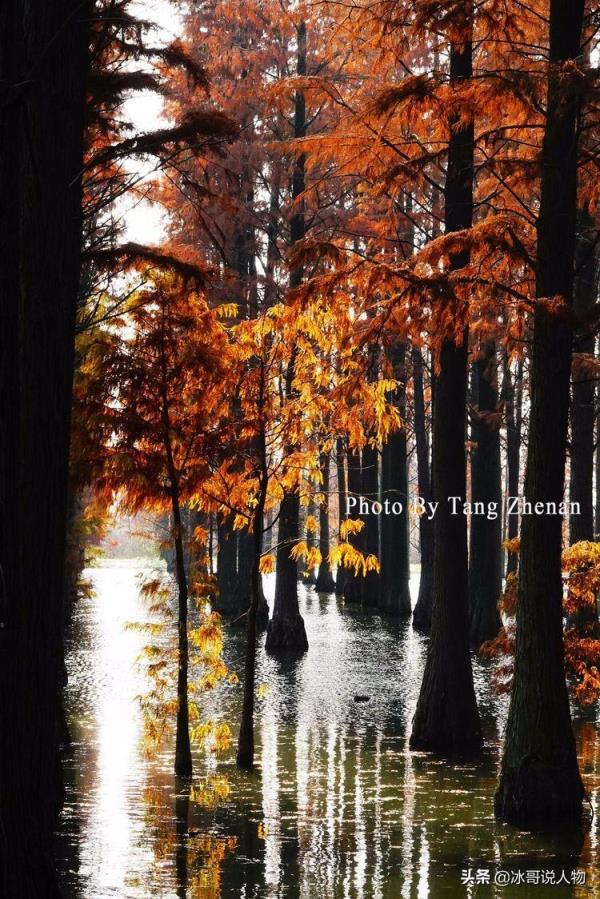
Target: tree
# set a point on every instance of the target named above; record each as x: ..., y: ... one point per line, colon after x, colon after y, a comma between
x: 43, y: 69
x: 446, y: 718
x: 164, y: 380
x: 485, y: 557
x: 325, y: 582
x: 395, y: 567
x: 540, y: 778
x: 423, y: 606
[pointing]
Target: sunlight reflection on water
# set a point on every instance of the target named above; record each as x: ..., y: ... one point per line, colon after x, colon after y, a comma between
x: 338, y: 806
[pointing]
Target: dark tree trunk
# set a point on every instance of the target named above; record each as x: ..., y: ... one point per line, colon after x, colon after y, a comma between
x: 245, y: 564
x: 581, y: 525
x: 43, y: 68
x: 370, y: 491
x: 324, y: 582
x: 597, y: 464
x: 447, y: 719
x: 340, y: 575
x: 183, y: 752
x: 245, y: 750
x: 539, y: 780
x: 308, y: 575
x: 286, y: 628
x: 354, y: 583
x: 513, y: 403
x: 485, y: 562
x: 583, y: 413
x: 395, y: 566
x: 226, y: 601
x: 424, y: 604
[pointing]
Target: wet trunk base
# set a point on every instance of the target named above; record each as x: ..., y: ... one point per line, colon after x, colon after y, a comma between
x: 286, y: 634
x: 445, y: 739
x: 424, y: 604
x: 485, y: 624
x: 325, y: 582
x: 446, y: 721
x: 262, y: 615
x: 395, y: 602
x: 183, y: 761
x: 537, y: 794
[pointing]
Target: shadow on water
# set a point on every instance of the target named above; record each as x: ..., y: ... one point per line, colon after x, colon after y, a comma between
x: 337, y: 807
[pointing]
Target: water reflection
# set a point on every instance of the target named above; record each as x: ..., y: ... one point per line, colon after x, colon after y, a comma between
x: 338, y: 809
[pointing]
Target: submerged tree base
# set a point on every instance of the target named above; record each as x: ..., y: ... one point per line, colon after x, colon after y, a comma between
x: 286, y: 634
x: 446, y: 721
x: 396, y: 603
x: 325, y: 583
x: 537, y: 793
x: 485, y: 624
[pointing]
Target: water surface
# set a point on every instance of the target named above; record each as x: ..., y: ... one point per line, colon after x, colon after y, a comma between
x: 338, y: 808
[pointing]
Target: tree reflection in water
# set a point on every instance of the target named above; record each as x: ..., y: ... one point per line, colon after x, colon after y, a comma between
x: 337, y: 809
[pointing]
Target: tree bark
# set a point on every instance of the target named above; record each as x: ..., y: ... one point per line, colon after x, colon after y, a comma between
x: 308, y: 576
x: 447, y: 719
x: 485, y: 562
x: 43, y: 69
x: 340, y: 458
x: 245, y: 562
x: 424, y: 604
x: 286, y: 628
x: 370, y: 491
x: 581, y: 525
x: 539, y: 780
x: 395, y: 565
x: 245, y: 750
x: 354, y: 583
x: 513, y: 404
x: 226, y: 601
x: 183, y: 751
x: 325, y: 582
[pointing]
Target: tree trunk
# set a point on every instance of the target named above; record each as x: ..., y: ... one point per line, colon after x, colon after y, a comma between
x: 340, y: 575
x: 286, y: 628
x: 183, y: 752
x: 43, y: 68
x: 539, y: 780
x: 395, y: 565
x: 485, y: 563
x: 581, y: 525
x: 245, y: 562
x: 354, y: 583
x: 597, y: 466
x: 308, y: 576
x: 370, y: 491
x: 245, y: 750
x: 324, y: 582
x: 226, y: 602
x: 422, y: 610
x: 447, y: 719
x: 513, y: 401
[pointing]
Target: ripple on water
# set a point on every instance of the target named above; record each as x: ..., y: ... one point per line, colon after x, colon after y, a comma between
x: 338, y: 807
